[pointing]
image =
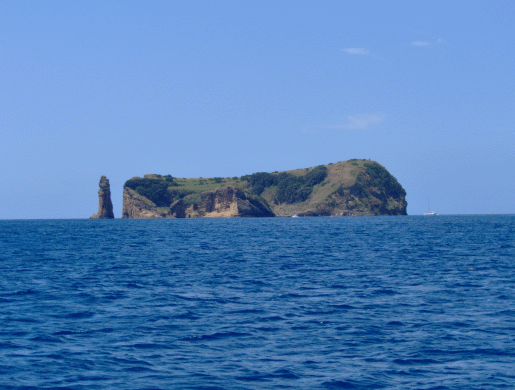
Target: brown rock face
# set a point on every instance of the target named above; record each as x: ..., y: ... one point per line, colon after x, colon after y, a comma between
x: 137, y: 206
x: 105, y: 206
x: 223, y: 202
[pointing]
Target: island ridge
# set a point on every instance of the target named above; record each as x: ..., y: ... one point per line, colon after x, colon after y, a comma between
x: 347, y: 188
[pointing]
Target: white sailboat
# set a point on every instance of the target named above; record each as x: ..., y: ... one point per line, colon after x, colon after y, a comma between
x: 429, y: 212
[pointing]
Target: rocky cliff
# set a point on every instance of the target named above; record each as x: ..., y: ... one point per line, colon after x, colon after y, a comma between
x: 138, y: 206
x: 105, y: 206
x: 223, y: 202
x: 347, y: 188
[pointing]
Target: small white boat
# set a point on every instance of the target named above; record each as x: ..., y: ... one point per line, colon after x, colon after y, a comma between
x: 430, y: 212
x: 295, y: 216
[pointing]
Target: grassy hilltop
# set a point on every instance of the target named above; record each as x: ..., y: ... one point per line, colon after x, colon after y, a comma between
x: 353, y: 187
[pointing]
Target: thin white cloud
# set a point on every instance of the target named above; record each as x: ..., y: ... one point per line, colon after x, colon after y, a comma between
x: 358, y: 122
x: 357, y: 51
x: 420, y: 43
x: 308, y: 131
x: 363, y: 122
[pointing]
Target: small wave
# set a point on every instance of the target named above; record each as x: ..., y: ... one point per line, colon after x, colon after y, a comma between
x: 267, y: 329
x: 187, y: 316
x: 137, y: 369
x: 339, y: 286
x: 223, y: 335
x: 254, y: 378
x: 491, y: 351
x: 46, y: 339
x: 216, y: 336
x: 293, y: 295
x: 257, y: 282
x: 347, y: 307
x: 340, y: 385
x: 271, y: 318
x: 503, y: 313
x: 459, y: 324
x: 186, y: 298
x: 412, y: 362
x: 69, y: 332
x: 385, y: 292
x: 26, y: 292
x: 320, y: 313
x: 247, y: 311
x: 80, y: 314
x: 284, y: 373
x: 76, y: 332
x: 55, y: 356
x: 9, y: 345
x: 133, y: 285
x: 29, y: 320
x: 150, y: 346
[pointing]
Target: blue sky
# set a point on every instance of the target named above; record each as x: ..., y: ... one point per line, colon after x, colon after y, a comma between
x: 203, y: 88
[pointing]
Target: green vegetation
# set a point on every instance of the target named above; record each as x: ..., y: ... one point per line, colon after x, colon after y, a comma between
x: 154, y: 189
x: 340, y: 190
x: 353, y: 187
x: 195, y: 186
x: 260, y: 180
x: 162, y: 191
x: 290, y: 188
x: 359, y: 188
x: 178, y: 193
x: 192, y: 198
x: 384, y: 181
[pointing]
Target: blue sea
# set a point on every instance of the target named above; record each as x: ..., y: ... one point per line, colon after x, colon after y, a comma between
x: 407, y: 302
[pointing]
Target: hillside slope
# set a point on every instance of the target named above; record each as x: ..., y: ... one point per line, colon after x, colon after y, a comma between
x: 347, y: 188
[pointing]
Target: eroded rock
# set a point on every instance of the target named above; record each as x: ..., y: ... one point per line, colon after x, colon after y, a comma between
x: 138, y: 207
x: 105, y: 206
x: 223, y: 202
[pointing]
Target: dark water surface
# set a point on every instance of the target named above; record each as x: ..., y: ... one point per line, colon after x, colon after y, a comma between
x: 299, y: 303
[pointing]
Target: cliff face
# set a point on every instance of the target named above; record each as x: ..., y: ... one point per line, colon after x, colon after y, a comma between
x: 137, y: 206
x: 347, y: 188
x: 105, y: 206
x: 223, y: 202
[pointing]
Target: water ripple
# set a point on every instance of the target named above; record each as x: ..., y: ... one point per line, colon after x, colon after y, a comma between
x: 328, y: 303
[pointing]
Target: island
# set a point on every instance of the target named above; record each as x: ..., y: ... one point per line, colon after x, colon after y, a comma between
x: 355, y: 187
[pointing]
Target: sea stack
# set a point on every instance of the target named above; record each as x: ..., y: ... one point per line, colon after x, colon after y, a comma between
x: 105, y: 207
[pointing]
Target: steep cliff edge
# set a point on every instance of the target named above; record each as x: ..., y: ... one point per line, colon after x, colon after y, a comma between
x: 347, y: 188
x: 137, y: 206
x: 105, y: 206
x: 223, y: 202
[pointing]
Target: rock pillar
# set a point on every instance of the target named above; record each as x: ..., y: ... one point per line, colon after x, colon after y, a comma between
x: 105, y: 207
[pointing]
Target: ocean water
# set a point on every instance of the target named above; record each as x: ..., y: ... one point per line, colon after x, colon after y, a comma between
x: 286, y: 303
